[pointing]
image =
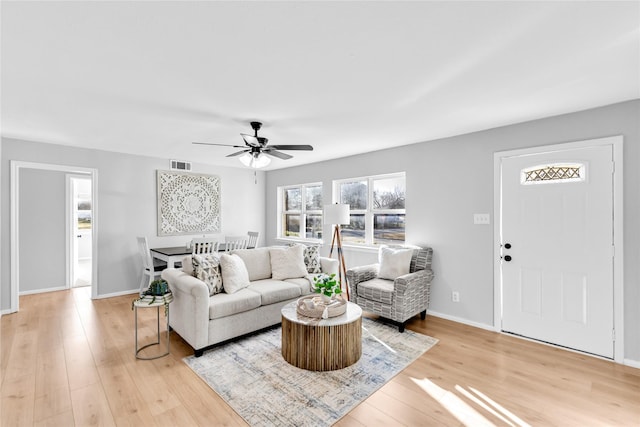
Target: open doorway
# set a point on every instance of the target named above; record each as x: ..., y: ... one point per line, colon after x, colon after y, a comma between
x: 40, y: 222
x: 79, y: 214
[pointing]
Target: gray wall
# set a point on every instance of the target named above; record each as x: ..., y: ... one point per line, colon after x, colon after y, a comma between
x: 448, y: 180
x: 42, y: 230
x: 127, y: 207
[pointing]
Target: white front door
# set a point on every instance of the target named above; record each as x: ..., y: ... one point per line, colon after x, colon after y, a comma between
x: 557, y: 248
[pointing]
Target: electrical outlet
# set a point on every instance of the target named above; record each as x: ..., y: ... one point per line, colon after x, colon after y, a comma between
x: 483, y: 218
x: 455, y: 296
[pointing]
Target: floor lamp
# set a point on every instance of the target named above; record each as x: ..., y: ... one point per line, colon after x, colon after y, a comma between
x: 338, y: 214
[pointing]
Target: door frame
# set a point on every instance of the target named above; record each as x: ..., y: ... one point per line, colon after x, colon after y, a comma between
x: 16, y: 167
x: 618, y: 229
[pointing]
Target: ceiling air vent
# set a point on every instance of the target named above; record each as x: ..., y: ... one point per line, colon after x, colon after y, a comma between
x: 180, y: 165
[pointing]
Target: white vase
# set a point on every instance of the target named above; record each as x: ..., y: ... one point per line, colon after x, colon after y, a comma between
x: 325, y: 299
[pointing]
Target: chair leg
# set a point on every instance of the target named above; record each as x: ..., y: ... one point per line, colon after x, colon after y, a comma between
x: 423, y: 314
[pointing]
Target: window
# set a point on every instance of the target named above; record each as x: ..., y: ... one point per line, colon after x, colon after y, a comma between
x: 301, y: 205
x: 556, y: 173
x: 377, y: 209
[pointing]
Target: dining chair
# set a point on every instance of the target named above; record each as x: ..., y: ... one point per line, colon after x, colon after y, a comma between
x: 253, y: 239
x: 203, y: 245
x: 235, y: 242
x: 151, y: 267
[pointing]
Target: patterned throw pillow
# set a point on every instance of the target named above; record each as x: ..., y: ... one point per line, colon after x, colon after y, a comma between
x: 207, y: 269
x: 312, y: 259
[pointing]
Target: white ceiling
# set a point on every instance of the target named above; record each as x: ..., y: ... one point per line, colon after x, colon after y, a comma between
x: 150, y: 77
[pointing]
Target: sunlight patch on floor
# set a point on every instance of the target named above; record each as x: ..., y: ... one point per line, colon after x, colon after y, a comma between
x: 463, y: 411
x: 380, y: 341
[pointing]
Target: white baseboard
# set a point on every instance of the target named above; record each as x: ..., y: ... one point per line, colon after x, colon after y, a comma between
x: 632, y: 363
x: 463, y: 321
x: 118, y: 294
x: 41, y: 291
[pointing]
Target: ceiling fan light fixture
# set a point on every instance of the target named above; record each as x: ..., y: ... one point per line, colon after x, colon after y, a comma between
x: 255, y: 160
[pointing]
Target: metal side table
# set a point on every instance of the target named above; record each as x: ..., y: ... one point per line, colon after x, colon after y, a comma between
x: 159, y: 302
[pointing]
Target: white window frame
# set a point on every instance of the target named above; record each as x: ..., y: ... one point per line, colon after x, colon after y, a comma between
x: 370, y: 211
x: 303, y: 212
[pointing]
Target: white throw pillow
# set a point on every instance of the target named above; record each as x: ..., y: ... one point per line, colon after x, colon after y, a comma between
x: 394, y: 262
x: 257, y: 261
x: 234, y: 273
x: 288, y: 263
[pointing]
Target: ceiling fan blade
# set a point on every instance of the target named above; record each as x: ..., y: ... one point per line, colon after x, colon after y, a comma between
x: 270, y: 151
x: 251, y: 140
x: 237, y: 153
x: 292, y: 147
x: 221, y: 145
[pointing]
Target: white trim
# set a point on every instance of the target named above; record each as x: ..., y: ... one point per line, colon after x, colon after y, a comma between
x: 618, y: 225
x: 16, y: 166
x: 135, y: 291
x: 632, y: 363
x: 463, y: 321
x: 42, y: 291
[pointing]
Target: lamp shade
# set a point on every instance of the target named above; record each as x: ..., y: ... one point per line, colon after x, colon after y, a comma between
x: 336, y: 214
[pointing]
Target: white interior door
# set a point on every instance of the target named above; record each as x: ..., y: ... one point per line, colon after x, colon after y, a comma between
x: 557, y: 248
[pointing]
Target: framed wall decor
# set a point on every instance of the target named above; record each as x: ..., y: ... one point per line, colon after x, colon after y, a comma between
x: 188, y: 203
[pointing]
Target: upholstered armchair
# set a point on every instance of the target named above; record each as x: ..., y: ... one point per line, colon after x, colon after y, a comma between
x: 397, y: 287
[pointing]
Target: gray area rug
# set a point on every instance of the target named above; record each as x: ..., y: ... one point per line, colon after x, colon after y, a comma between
x: 253, y: 378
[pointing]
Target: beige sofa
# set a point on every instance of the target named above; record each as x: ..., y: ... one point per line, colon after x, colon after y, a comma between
x: 203, y: 320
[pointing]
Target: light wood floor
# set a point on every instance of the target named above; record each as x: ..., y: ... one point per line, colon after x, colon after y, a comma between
x: 67, y: 360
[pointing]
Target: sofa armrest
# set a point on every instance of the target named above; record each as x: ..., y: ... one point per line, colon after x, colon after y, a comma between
x: 329, y: 265
x: 190, y: 307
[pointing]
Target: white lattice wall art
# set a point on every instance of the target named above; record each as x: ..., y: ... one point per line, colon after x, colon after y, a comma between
x: 188, y: 203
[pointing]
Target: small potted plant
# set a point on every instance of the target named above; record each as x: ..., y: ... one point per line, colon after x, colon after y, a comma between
x: 327, y: 286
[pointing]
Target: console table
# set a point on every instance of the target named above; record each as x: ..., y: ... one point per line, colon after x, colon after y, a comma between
x: 322, y: 344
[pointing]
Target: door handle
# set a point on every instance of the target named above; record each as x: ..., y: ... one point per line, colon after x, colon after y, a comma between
x: 79, y: 235
x: 507, y: 245
x: 507, y: 258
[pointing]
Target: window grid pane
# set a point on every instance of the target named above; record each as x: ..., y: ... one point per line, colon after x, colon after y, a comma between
x: 354, y: 194
x: 388, y: 228
x: 389, y: 193
x: 291, y: 225
x: 355, y: 231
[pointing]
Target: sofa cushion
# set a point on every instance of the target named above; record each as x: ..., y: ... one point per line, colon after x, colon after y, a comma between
x: 379, y: 290
x: 272, y: 291
x: 287, y: 262
x: 207, y: 269
x: 223, y: 305
x: 257, y: 261
x: 234, y: 273
x: 394, y: 262
x: 303, y: 283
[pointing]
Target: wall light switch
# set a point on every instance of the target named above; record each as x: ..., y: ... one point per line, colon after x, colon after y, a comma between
x: 484, y: 218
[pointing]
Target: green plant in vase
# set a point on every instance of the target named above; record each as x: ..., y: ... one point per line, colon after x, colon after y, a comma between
x: 327, y: 286
x: 157, y: 289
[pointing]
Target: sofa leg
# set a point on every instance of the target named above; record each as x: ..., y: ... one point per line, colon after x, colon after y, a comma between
x: 198, y: 353
x: 423, y: 314
x: 401, y: 327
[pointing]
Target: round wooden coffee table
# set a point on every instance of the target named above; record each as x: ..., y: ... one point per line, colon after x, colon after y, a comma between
x: 322, y: 344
